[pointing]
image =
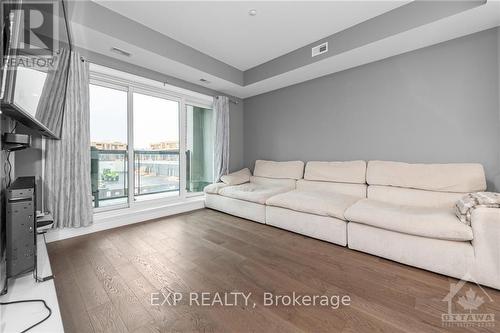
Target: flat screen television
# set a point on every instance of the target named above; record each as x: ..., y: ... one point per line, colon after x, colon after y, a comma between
x: 35, y: 66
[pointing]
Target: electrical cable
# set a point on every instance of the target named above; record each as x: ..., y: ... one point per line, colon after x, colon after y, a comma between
x: 31, y: 301
x: 9, y: 170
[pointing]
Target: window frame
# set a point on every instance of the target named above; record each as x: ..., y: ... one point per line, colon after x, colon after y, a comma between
x: 113, y: 85
x: 196, y: 103
x: 132, y: 84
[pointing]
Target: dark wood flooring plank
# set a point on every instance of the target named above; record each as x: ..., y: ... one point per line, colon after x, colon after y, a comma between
x: 90, y: 287
x: 105, y: 280
x: 73, y: 312
x: 128, y: 306
x: 105, y: 319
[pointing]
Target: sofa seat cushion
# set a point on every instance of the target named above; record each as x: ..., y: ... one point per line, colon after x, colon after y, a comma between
x: 438, y: 223
x: 214, y: 188
x: 314, y: 202
x: 253, y: 192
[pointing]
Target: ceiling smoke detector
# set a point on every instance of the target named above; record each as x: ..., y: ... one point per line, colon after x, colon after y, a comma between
x: 252, y: 12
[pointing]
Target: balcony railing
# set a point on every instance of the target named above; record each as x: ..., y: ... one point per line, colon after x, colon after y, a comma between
x: 109, y: 176
x: 155, y: 171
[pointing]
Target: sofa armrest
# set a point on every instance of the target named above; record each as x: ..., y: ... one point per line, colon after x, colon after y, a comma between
x: 485, y: 224
x: 214, y: 188
x: 236, y: 178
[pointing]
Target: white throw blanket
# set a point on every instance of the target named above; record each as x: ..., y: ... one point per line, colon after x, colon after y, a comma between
x: 467, y: 204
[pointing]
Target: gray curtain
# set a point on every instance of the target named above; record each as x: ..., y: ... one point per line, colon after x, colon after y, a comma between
x: 67, y: 163
x: 221, y: 150
x: 50, y: 100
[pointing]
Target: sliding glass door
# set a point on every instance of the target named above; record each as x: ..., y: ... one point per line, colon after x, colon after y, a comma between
x: 156, y: 146
x: 148, y: 145
x: 108, y: 146
x: 199, y: 147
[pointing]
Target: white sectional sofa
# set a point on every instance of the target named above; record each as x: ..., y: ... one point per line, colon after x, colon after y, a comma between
x: 409, y: 217
x: 403, y: 212
x: 316, y: 207
x: 248, y: 200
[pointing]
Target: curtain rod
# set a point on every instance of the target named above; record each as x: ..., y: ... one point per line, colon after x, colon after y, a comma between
x: 231, y: 100
x: 234, y: 101
x: 66, y: 23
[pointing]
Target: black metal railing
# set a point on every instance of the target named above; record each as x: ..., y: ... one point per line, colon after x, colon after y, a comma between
x: 155, y: 171
x: 109, y: 169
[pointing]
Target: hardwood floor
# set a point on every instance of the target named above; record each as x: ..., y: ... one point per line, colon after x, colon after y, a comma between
x: 105, y: 280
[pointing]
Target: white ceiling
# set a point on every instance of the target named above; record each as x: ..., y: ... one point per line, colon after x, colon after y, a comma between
x: 225, y: 31
x: 468, y: 22
x: 455, y: 26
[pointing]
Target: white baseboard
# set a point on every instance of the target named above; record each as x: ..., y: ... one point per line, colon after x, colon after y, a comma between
x: 118, y: 218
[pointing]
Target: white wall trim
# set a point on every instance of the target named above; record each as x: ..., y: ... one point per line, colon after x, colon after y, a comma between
x: 122, y: 217
x: 108, y: 74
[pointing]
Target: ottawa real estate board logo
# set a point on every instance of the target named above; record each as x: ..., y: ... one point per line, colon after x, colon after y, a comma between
x: 467, y: 306
x: 32, y: 33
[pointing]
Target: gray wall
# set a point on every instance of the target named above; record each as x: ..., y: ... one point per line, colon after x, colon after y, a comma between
x: 437, y: 104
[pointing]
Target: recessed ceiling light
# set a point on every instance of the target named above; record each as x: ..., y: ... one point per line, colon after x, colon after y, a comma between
x: 252, y: 12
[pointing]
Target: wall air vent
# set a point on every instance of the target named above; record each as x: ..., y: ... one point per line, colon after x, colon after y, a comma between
x: 120, y: 52
x: 320, y: 49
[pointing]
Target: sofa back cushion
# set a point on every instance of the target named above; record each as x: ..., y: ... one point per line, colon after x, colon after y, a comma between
x: 288, y: 183
x: 280, y: 170
x: 412, y: 197
x: 462, y: 178
x: 340, y: 172
x: 357, y: 190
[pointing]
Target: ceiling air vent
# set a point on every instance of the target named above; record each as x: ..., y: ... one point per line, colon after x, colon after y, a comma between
x: 120, y: 52
x: 320, y: 49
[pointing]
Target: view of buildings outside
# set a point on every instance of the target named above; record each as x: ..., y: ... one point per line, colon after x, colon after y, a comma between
x: 108, y: 134
x: 156, y: 146
x: 156, y: 169
x: 156, y: 159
